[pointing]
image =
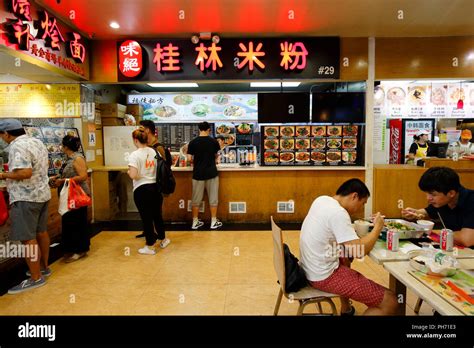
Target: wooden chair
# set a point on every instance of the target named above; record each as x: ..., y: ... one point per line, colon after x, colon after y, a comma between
x: 306, y: 295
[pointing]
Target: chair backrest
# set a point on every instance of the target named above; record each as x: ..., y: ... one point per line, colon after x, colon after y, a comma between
x: 278, y: 254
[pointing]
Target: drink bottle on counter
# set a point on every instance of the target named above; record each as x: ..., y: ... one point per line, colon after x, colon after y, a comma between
x: 393, y: 240
x: 447, y: 239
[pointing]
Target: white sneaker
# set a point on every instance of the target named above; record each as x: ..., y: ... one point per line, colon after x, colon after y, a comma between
x: 197, y: 224
x: 146, y: 250
x: 216, y: 224
x: 164, y: 243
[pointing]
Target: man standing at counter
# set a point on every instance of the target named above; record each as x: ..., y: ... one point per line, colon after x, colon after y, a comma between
x: 27, y: 185
x: 446, y: 197
x: 203, y: 152
x: 326, y: 233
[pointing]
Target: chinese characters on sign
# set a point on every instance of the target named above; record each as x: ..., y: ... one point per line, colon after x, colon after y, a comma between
x: 23, y: 31
x: 230, y: 59
x: 166, y: 55
x: 130, y: 58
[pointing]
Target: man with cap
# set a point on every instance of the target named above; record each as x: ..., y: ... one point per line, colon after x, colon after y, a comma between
x: 419, y: 148
x: 27, y: 185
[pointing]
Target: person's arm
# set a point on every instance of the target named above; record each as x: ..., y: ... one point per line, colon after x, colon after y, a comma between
x: 464, y: 237
x: 414, y: 214
x: 133, y: 173
x: 80, y: 167
x: 17, y: 174
x: 366, y: 243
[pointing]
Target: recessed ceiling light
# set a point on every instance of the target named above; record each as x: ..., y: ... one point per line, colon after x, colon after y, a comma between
x: 114, y: 25
x: 174, y: 85
x: 470, y: 56
x: 265, y: 84
x: 291, y: 84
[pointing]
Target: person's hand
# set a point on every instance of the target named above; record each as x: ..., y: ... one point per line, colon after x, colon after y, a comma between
x: 378, y: 221
x: 411, y: 214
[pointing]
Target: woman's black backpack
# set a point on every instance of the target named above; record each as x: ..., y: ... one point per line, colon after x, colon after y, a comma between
x: 164, y: 175
x: 294, y: 274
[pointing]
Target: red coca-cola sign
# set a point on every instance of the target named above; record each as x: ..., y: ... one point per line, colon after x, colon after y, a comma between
x: 396, y: 142
x: 130, y: 58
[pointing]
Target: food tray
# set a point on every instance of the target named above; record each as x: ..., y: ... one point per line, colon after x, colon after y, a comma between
x: 416, y: 233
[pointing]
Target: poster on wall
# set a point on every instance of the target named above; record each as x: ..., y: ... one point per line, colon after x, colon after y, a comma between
x: 196, y: 107
x: 412, y: 127
x: 402, y: 99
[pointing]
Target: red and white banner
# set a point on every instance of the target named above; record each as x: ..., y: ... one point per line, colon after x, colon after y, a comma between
x: 130, y: 58
x: 396, y: 142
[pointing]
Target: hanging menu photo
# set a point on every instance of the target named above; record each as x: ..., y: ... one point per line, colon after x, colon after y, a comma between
x: 318, y: 145
x: 175, y: 135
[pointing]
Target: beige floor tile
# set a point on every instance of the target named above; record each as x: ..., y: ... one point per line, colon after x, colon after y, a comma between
x: 252, y: 269
x: 252, y: 299
x: 182, y: 299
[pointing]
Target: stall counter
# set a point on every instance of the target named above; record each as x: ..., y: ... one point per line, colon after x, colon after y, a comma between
x: 261, y: 191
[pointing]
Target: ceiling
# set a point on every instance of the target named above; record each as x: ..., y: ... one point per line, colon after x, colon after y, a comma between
x: 234, y: 18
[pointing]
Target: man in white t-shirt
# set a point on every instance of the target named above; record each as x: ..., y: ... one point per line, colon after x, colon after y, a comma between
x: 328, y: 242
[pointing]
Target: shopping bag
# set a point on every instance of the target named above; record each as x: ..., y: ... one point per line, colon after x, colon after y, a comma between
x: 63, y: 198
x: 3, y: 209
x: 77, y: 197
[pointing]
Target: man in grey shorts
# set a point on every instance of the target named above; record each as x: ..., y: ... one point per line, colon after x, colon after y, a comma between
x: 203, y: 152
x: 27, y: 185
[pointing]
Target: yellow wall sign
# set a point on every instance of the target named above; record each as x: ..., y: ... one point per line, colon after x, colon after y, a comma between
x: 41, y: 101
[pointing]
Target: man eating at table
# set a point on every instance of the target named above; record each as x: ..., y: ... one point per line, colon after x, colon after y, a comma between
x: 448, y: 198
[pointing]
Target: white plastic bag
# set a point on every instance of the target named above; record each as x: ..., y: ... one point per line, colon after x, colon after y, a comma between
x: 63, y: 198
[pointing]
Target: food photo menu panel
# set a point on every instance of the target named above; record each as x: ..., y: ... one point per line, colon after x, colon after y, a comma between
x: 52, y: 138
x: 312, y: 145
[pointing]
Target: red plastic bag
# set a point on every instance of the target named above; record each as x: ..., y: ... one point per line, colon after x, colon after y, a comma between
x: 77, y: 198
x: 3, y: 209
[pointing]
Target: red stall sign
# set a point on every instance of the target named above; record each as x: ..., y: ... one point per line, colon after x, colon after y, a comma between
x: 130, y: 58
x: 396, y: 142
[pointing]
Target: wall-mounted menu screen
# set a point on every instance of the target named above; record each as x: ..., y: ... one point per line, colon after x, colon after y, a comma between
x: 283, y: 107
x: 313, y: 145
x: 338, y: 107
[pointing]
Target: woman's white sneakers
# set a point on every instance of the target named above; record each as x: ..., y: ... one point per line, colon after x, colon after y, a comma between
x: 146, y: 250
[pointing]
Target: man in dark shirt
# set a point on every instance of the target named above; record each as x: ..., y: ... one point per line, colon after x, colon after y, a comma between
x: 453, y: 202
x: 203, y: 152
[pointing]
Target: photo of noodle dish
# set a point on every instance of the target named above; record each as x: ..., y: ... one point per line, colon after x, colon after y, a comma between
x: 302, y: 143
x: 318, y: 131
x: 318, y: 143
x: 287, y: 156
x: 438, y: 95
x: 318, y: 156
x: 333, y: 156
x: 271, y: 131
x: 287, y: 131
x: 271, y: 156
x: 349, y: 143
x: 302, y: 156
x: 287, y: 144
x: 271, y: 144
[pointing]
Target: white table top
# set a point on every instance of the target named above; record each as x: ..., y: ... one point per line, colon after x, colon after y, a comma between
x: 399, y: 270
x: 380, y: 254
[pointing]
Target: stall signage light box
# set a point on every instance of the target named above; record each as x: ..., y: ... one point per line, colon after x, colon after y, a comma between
x: 26, y: 32
x: 169, y: 59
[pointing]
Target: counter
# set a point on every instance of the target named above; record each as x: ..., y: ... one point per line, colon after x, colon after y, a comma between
x: 261, y: 190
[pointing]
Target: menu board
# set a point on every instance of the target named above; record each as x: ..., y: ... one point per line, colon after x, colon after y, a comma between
x: 40, y: 100
x: 401, y: 99
x: 52, y: 138
x: 196, y: 107
x: 175, y: 135
x: 315, y: 144
x: 239, y: 138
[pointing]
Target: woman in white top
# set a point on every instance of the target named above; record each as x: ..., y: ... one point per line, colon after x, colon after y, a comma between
x: 149, y: 201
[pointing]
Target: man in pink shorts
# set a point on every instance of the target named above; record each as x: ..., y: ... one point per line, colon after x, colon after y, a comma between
x: 326, y: 233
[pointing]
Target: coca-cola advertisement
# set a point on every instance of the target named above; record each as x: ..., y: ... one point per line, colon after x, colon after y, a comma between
x: 396, y: 141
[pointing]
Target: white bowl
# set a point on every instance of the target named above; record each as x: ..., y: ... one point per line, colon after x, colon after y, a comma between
x: 361, y: 227
x: 426, y: 224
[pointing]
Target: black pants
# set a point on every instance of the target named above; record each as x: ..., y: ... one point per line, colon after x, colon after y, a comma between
x: 75, y: 231
x: 149, y: 202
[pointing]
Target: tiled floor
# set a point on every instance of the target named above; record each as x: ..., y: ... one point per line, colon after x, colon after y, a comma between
x: 200, y: 273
